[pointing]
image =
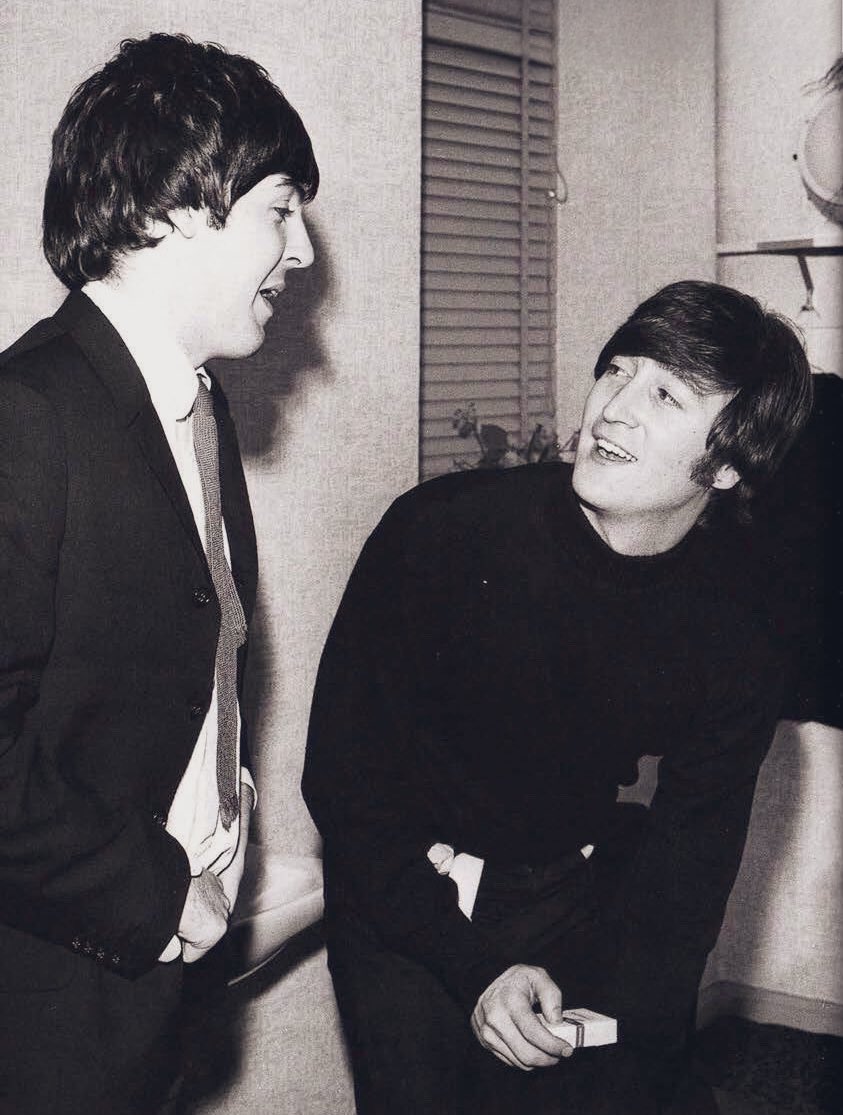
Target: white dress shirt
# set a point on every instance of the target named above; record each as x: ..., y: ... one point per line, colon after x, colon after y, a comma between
x: 193, y: 818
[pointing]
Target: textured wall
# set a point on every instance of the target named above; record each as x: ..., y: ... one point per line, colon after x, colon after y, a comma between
x: 327, y: 410
x: 779, y: 956
x: 636, y: 145
x: 768, y: 55
x: 781, y: 939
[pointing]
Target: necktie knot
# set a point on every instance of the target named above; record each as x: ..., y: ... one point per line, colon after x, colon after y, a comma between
x: 203, y: 405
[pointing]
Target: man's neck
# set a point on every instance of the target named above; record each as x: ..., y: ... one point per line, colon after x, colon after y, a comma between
x: 642, y: 535
x: 163, y: 362
x: 149, y: 295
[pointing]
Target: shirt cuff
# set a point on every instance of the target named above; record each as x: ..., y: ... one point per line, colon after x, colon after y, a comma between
x: 464, y: 870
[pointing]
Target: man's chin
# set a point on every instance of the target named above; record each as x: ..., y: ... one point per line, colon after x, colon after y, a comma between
x: 241, y: 347
x: 579, y: 477
x: 593, y: 486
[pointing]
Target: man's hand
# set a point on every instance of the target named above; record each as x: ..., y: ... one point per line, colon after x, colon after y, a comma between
x: 231, y: 875
x: 505, y: 1023
x: 204, y: 918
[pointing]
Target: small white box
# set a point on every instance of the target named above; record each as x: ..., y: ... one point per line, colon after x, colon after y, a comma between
x: 581, y: 1027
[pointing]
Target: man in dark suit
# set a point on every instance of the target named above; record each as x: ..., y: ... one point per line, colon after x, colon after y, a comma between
x: 173, y: 210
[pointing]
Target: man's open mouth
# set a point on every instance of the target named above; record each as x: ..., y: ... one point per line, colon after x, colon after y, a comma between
x: 611, y: 452
x: 270, y: 293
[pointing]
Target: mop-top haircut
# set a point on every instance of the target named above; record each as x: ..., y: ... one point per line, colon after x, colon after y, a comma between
x: 716, y: 339
x: 166, y: 124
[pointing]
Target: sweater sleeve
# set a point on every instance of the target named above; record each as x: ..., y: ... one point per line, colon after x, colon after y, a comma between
x: 366, y: 780
x: 666, y: 917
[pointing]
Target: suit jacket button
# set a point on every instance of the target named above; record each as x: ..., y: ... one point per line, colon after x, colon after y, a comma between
x: 201, y: 597
x: 159, y: 818
x: 115, y: 959
x: 196, y: 711
x: 100, y: 954
x: 88, y: 948
x: 76, y: 944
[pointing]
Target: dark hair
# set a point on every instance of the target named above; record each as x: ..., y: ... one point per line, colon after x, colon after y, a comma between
x: 715, y: 338
x: 165, y: 124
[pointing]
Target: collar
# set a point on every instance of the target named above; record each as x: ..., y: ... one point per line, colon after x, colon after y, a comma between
x: 167, y: 371
x: 624, y: 571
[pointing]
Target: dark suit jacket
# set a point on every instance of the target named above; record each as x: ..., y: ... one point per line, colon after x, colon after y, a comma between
x: 108, y: 634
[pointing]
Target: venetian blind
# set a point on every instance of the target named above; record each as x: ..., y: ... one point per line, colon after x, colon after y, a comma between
x: 488, y: 163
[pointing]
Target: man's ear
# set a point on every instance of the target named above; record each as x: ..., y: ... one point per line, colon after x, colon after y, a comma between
x: 726, y: 477
x: 186, y: 221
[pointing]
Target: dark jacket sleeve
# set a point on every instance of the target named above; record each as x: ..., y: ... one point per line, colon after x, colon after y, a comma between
x: 366, y: 780
x: 73, y: 869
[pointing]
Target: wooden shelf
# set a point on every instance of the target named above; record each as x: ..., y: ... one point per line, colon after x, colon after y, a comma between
x: 826, y: 243
x: 799, y: 247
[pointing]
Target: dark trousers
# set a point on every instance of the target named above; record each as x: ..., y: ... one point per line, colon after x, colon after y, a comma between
x: 411, y: 1045
x: 83, y: 1041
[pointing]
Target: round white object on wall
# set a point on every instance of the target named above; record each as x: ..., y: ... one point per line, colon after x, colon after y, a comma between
x: 820, y: 154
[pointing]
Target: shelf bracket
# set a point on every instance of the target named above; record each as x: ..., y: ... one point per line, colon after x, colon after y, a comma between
x: 799, y: 246
x: 808, y: 306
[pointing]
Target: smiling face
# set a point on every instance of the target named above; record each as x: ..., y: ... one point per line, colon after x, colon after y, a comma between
x: 238, y: 271
x: 643, y: 431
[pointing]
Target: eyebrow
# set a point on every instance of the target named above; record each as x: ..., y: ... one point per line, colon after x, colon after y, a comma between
x: 686, y: 379
x: 692, y: 383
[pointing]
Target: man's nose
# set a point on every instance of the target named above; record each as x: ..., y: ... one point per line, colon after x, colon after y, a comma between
x: 623, y: 405
x: 298, y: 251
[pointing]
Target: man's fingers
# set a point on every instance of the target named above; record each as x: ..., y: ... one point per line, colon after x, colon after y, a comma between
x: 190, y: 953
x: 504, y: 1019
x: 547, y: 994
x: 494, y: 1043
x: 505, y: 1050
x: 213, y: 888
x: 536, y: 1034
x: 549, y: 1041
x: 206, y: 911
x: 527, y: 1054
x: 504, y: 1034
x: 549, y: 999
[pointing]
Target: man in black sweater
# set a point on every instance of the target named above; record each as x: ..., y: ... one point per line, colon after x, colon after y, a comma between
x: 509, y: 645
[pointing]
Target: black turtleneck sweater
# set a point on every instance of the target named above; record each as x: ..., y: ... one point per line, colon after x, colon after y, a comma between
x: 493, y: 674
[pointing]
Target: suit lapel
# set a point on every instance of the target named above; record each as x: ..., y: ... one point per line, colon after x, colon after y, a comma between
x: 153, y: 443
x: 113, y: 363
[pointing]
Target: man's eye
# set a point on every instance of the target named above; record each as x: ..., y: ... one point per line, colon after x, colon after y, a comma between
x: 666, y: 397
x: 283, y: 212
x: 616, y: 370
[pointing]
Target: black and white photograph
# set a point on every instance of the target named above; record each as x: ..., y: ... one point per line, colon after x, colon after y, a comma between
x: 421, y: 524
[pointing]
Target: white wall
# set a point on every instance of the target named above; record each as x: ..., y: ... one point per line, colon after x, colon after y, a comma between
x: 779, y: 957
x: 768, y: 55
x: 636, y: 146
